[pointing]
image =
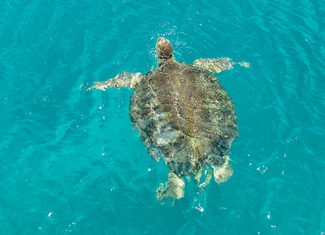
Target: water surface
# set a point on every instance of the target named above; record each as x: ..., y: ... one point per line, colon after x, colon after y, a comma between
x: 70, y: 161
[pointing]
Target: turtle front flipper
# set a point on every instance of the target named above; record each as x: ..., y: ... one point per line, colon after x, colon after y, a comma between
x: 174, y: 188
x: 123, y: 79
x: 218, y: 65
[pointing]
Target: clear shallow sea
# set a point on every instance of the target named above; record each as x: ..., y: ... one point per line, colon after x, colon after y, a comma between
x: 70, y: 162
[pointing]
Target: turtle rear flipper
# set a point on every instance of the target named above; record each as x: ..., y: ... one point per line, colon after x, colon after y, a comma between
x: 218, y: 65
x: 123, y: 79
x: 173, y: 189
x: 222, y: 173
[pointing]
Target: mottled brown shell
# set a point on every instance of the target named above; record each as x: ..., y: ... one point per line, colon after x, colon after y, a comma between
x: 185, y: 116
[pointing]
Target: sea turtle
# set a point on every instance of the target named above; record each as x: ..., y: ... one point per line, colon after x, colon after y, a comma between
x: 184, y: 116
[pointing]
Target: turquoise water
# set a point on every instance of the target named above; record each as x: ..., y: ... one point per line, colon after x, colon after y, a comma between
x: 70, y: 162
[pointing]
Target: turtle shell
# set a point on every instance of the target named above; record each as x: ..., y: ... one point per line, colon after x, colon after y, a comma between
x: 185, y: 116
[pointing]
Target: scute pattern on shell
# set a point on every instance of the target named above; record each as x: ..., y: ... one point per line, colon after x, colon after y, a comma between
x: 185, y: 116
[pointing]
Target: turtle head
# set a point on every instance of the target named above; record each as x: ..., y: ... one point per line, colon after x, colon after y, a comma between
x: 164, y: 48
